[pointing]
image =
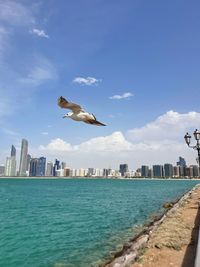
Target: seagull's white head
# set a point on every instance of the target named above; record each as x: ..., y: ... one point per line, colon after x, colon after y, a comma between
x: 66, y: 116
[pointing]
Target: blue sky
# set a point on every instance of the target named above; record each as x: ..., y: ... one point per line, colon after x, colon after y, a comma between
x: 142, y: 59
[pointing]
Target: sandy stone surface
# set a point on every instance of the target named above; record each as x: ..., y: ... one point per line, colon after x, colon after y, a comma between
x: 173, y: 243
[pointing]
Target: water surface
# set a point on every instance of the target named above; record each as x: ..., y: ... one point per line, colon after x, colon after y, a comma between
x: 75, y: 222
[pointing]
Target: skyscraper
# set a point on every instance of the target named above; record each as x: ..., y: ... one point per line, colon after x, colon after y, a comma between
x: 10, y: 166
x: 123, y: 169
x: 33, y: 167
x: 41, y: 166
x: 56, y: 167
x: 181, y: 162
x: 23, y: 158
x: 168, y: 169
x: 49, y: 169
x: 157, y: 170
x: 13, y: 151
x: 144, y: 171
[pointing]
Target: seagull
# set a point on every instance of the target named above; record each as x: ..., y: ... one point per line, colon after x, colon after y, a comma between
x: 78, y: 113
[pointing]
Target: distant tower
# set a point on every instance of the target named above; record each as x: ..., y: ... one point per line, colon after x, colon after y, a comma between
x: 41, y: 166
x: 158, y: 171
x: 33, y: 167
x: 123, y: 169
x: 181, y: 162
x: 49, y: 169
x: 144, y: 171
x: 56, y: 167
x: 13, y: 151
x: 28, y: 162
x: 10, y: 167
x: 23, y: 158
x: 168, y: 170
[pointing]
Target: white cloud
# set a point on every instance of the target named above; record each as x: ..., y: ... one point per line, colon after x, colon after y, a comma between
x: 125, y: 95
x: 40, y: 33
x: 169, y: 126
x: 87, y: 81
x: 56, y: 145
x: 160, y: 141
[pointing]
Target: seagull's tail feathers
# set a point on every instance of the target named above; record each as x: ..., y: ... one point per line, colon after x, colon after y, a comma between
x: 95, y: 122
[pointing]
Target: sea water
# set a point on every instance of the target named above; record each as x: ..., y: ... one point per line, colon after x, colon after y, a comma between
x: 75, y: 222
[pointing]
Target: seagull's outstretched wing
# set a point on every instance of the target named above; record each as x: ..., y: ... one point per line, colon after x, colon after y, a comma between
x: 63, y: 103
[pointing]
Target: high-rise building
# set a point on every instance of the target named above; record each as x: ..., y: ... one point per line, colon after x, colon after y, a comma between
x: 2, y: 170
x: 176, y: 170
x: 195, y: 170
x: 144, y: 171
x: 13, y: 151
x: 41, y: 166
x: 49, y: 169
x: 157, y: 170
x: 56, y: 167
x: 181, y: 162
x: 23, y: 158
x: 37, y: 166
x: 33, y: 167
x: 168, y: 170
x: 10, y: 167
x: 123, y: 169
x: 91, y: 172
x: 28, y: 162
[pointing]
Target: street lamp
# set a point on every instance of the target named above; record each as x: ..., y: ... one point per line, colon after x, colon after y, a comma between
x: 188, y: 137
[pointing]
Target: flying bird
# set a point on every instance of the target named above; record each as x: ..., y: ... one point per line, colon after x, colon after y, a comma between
x: 78, y: 113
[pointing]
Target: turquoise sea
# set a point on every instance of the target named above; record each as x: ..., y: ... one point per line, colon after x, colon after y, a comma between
x: 75, y: 222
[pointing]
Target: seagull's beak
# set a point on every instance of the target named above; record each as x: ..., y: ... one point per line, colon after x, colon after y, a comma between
x: 65, y: 116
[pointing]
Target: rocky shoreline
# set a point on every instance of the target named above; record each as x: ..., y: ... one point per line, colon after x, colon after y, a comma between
x: 132, y: 249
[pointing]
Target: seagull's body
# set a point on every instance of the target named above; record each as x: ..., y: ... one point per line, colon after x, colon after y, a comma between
x: 78, y: 113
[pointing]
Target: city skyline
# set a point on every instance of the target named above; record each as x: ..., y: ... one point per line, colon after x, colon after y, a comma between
x: 134, y: 64
x: 39, y: 167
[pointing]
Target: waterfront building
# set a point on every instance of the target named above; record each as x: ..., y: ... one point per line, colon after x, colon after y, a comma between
x: 189, y: 172
x: 181, y: 162
x: 72, y: 172
x: 60, y: 173
x: 23, y: 158
x: 49, y: 169
x: 150, y: 173
x: 144, y: 171
x: 37, y: 166
x: 41, y: 166
x: 2, y: 170
x: 13, y: 151
x: 10, y: 166
x: 28, y: 162
x: 91, y: 172
x: 168, y: 170
x: 195, y: 170
x: 33, y: 167
x: 123, y: 169
x: 56, y: 167
x: 158, y: 171
x: 182, y: 171
x: 176, y: 171
x: 67, y: 172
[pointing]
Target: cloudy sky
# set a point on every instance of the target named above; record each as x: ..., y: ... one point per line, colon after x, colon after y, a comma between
x: 134, y: 64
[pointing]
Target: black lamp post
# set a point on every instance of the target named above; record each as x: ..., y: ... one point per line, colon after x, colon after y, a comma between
x: 197, y: 146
